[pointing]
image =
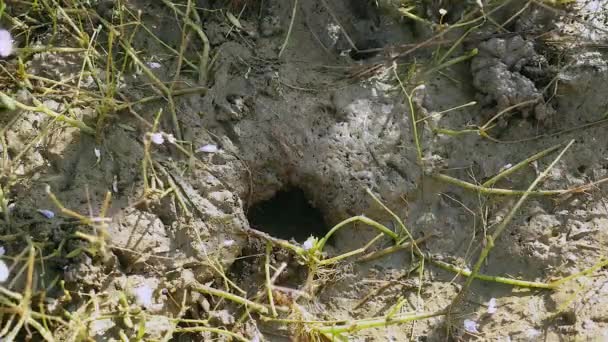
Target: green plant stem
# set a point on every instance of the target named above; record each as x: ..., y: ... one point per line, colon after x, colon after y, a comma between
x: 486, y: 126
x: 59, y: 117
x: 176, y: 92
x: 231, y: 297
x: 157, y: 82
x: 293, y: 19
x: 14, y: 295
x: 451, y: 62
x: 407, y: 12
x: 4, y: 207
x: 600, y: 264
x: 520, y: 165
x: 508, y: 281
x: 412, y: 118
x: 494, y: 191
x: 51, y: 49
x: 504, y: 223
x: 83, y: 219
x: 268, y: 280
x: 213, y: 330
x: 455, y: 133
x: 197, y: 27
x: 357, y: 325
x: 358, y: 218
x: 279, y: 242
x: 351, y: 253
x: 416, y: 250
x: 441, y: 113
x: 394, y: 216
x: 393, y: 249
x: 397, y: 307
x: 457, y: 43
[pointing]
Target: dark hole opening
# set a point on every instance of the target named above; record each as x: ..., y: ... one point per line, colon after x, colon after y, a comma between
x: 581, y: 169
x: 366, y: 49
x: 288, y: 215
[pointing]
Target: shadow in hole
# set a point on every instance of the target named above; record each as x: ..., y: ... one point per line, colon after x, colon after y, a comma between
x: 288, y: 215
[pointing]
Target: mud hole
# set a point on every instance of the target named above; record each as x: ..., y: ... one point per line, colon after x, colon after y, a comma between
x: 273, y: 151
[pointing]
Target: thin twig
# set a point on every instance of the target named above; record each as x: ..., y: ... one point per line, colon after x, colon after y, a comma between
x: 293, y: 19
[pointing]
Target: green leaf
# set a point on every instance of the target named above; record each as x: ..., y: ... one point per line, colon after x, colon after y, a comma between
x: 6, y: 102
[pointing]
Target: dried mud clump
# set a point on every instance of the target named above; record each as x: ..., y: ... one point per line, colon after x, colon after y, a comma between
x: 503, y: 76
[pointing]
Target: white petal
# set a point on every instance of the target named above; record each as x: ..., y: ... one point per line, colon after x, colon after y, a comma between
x: 171, y: 138
x: 97, y: 152
x: 309, y: 243
x: 115, y: 184
x: 532, y: 333
x: 46, y: 213
x: 3, y: 272
x: 506, y: 167
x: 6, y: 43
x: 2, y: 250
x: 154, y: 65
x: 143, y: 295
x: 470, y: 326
x: 157, y: 138
x: 492, y: 306
x: 210, y: 148
x: 228, y: 243
x: 443, y: 11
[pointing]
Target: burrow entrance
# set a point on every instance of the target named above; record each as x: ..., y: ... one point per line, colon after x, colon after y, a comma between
x: 288, y: 215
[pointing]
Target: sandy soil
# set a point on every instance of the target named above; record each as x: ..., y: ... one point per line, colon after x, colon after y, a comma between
x: 299, y: 139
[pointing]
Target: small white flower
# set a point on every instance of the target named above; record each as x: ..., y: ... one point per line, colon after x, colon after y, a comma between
x: 309, y: 243
x: 420, y: 87
x: 46, y: 213
x: 480, y: 4
x: 228, y: 243
x: 492, y: 306
x: 532, y: 333
x: 589, y: 325
x: 239, y: 103
x: 143, y: 295
x: 3, y: 272
x: 470, y: 326
x: 154, y: 65
x: 97, y: 154
x: 11, y: 207
x: 2, y: 250
x: 171, y: 138
x: 157, y: 138
x: 345, y: 53
x: 6, y: 43
x: 115, y: 184
x: 209, y: 148
x: 333, y: 32
x: 506, y: 167
x: 443, y: 11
